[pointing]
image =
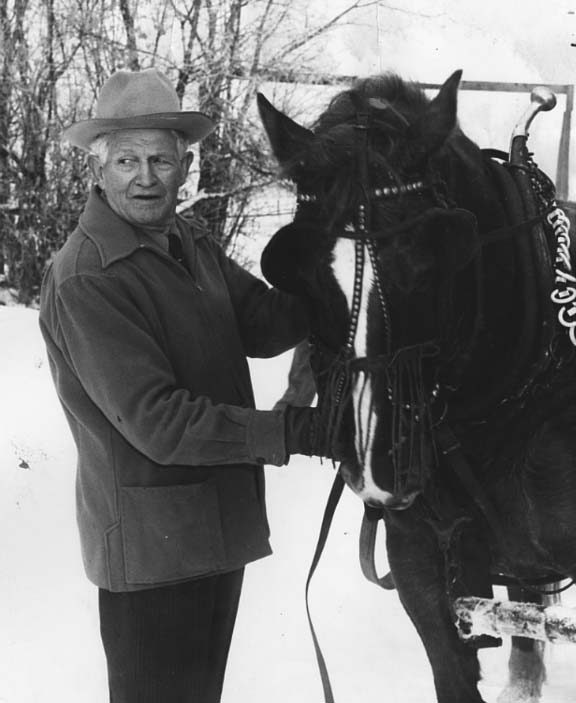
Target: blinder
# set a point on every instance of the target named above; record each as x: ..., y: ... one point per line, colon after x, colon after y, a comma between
x: 289, y: 258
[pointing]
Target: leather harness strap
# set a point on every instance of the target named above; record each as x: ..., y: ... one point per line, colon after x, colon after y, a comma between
x: 452, y: 450
x: 367, y: 543
x: 329, y: 510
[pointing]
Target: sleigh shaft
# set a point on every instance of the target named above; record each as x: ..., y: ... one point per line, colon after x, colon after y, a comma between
x: 477, y: 616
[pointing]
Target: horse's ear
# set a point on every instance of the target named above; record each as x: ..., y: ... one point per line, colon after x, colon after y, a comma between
x: 287, y: 137
x: 439, y: 119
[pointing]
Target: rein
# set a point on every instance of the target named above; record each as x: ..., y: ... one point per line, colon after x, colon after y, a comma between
x: 329, y: 510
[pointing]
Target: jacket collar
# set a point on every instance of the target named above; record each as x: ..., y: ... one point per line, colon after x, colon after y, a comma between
x: 113, y: 237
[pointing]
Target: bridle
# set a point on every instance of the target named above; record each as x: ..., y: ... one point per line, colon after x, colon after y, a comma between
x: 365, y: 240
x: 401, y: 367
x: 345, y: 364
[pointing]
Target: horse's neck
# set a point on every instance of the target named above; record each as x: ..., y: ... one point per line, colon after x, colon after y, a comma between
x: 469, y: 182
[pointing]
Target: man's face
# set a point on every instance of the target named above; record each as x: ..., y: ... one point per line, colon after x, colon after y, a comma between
x: 141, y: 175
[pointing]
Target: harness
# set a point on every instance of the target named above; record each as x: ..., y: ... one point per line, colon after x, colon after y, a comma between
x: 540, y: 232
x: 541, y: 235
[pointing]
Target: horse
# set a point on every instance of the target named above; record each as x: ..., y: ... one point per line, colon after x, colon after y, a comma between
x: 445, y: 379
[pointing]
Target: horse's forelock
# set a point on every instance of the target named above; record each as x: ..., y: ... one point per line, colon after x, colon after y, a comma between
x: 329, y: 166
x: 337, y: 136
x: 408, y: 99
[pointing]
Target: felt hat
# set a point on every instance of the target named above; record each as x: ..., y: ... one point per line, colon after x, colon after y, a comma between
x: 138, y: 100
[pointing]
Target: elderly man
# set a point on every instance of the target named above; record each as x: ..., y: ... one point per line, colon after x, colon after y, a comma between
x: 148, y: 325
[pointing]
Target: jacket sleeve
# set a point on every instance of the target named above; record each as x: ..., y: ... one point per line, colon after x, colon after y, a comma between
x: 270, y: 321
x: 109, y: 346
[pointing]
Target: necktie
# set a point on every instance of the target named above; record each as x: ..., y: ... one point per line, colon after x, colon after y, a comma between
x: 175, y: 249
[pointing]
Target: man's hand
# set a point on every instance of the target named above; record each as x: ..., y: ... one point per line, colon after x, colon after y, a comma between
x: 305, y: 433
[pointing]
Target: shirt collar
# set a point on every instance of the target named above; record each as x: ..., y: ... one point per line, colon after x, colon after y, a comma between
x: 115, y: 238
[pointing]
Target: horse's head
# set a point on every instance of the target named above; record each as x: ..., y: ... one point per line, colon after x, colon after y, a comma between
x: 374, y: 244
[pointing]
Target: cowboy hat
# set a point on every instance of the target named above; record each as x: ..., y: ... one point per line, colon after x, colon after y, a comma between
x: 138, y: 100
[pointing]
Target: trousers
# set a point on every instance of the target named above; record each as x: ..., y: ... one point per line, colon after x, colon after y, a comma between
x: 170, y: 644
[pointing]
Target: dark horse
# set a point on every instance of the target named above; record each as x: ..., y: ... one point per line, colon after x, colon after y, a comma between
x: 446, y: 380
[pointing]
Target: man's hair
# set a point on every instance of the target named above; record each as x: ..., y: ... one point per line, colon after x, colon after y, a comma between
x: 101, y: 145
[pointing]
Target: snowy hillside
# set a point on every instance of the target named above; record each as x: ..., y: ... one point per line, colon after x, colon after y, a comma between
x: 49, y: 643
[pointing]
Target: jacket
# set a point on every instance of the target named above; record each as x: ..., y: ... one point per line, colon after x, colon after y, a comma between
x: 149, y: 363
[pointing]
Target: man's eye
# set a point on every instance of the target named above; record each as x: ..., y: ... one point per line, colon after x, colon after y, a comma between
x: 126, y: 161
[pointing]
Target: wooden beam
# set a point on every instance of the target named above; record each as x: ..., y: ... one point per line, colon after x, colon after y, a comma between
x: 563, y: 168
x: 287, y: 75
x: 481, y: 616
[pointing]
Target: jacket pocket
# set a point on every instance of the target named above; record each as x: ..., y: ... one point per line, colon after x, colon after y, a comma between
x: 171, y: 532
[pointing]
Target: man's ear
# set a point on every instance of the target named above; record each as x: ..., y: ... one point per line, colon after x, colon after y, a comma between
x: 186, y: 162
x: 95, y: 166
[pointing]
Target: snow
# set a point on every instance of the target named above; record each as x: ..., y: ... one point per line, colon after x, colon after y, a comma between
x: 49, y: 644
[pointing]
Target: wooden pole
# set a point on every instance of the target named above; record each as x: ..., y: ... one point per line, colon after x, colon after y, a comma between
x: 477, y: 616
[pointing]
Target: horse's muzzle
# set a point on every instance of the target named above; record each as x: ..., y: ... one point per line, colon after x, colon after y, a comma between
x: 373, y: 495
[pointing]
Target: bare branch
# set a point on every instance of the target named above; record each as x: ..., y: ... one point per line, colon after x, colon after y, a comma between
x: 322, y: 29
x: 128, y: 20
x: 160, y: 29
x: 191, y: 19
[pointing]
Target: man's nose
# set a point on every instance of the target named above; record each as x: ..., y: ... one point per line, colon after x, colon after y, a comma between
x: 146, y: 176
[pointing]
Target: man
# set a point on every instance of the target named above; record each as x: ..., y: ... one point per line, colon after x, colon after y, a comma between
x: 148, y: 325
x: 301, y: 389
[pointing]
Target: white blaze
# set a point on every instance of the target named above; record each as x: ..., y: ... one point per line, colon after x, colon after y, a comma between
x: 343, y: 267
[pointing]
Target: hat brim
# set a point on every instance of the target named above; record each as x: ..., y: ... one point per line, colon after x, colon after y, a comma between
x: 193, y: 125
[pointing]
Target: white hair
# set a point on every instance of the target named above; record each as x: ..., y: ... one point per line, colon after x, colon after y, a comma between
x: 101, y: 145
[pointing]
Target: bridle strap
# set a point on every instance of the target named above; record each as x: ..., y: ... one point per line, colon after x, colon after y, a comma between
x: 503, y: 233
x: 366, y: 235
x: 364, y: 224
x: 379, y: 192
x: 452, y: 450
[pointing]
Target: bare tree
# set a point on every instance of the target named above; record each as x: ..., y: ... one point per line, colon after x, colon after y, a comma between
x: 131, y: 47
x: 56, y: 54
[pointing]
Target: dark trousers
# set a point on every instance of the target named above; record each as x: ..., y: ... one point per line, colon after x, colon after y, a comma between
x: 170, y: 644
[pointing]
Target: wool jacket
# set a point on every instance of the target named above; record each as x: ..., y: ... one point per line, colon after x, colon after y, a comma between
x: 149, y: 362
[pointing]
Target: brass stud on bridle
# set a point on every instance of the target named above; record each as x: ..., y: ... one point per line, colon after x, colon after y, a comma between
x: 377, y: 193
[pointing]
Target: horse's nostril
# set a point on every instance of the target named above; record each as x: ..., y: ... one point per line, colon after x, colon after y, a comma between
x: 402, y: 502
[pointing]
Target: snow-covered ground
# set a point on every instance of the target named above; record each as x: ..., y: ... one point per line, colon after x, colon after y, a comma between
x: 49, y: 643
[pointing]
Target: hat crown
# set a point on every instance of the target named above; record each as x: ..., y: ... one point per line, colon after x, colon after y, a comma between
x: 135, y: 93
x: 138, y: 100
